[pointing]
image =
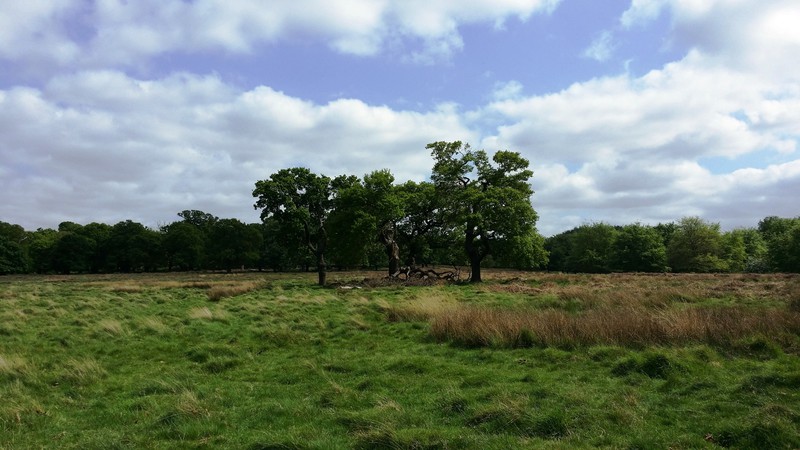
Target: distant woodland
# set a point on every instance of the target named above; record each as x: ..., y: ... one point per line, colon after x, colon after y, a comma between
x: 475, y: 212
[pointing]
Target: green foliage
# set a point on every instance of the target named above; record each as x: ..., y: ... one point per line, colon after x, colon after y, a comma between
x: 525, y: 252
x: 99, y: 234
x: 233, y: 244
x: 490, y: 201
x: 696, y: 246
x: 639, y: 248
x: 298, y: 196
x: 366, y: 212
x: 73, y: 252
x: 40, y: 249
x: 423, y: 235
x: 734, y: 251
x: 283, y: 247
x: 12, y: 260
x: 559, y: 248
x: 782, y: 236
x: 184, y: 246
x: 133, y: 247
x: 12, y: 255
x: 592, y: 248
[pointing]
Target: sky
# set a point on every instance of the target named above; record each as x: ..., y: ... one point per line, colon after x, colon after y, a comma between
x: 628, y: 110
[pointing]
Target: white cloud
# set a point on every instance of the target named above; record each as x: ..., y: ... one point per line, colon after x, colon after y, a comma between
x: 507, y: 90
x: 622, y: 149
x: 35, y: 30
x: 126, y: 34
x: 100, y: 145
x: 601, y: 48
x: 144, y: 150
x: 739, y: 34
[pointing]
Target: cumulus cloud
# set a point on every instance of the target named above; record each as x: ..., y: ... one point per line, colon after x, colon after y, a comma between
x: 126, y: 34
x: 738, y: 34
x: 145, y: 150
x: 98, y: 144
x: 624, y: 148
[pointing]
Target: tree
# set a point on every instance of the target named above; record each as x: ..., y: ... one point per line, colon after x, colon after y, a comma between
x: 233, y: 244
x: 755, y: 248
x: 420, y: 232
x: 201, y: 220
x: 559, y: 248
x: 12, y: 255
x: 733, y: 251
x: 591, y: 248
x: 299, y: 196
x: 367, y: 212
x: 40, y: 249
x: 782, y: 236
x: 184, y: 245
x: 666, y: 230
x: 491, y: 202
x: 695, y: 246
x: 639, y: 248
x: 524, y: 252
x: 283, y: 246
x: 99, y: 234
x: 133, y: 247
x: 73, y: 251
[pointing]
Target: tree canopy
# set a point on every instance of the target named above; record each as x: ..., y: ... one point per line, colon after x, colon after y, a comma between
x: 475, y: 209
x: 490, y: 202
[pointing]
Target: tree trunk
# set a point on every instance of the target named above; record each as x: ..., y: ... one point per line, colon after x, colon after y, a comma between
x: 474, y: 254
x: 475, y: 263
x: 321, y: 269
x: 386, y: 237
x: 394, y: 258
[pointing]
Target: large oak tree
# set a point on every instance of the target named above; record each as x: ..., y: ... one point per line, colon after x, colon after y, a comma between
x: 300, y: 196
x: 490, y: 201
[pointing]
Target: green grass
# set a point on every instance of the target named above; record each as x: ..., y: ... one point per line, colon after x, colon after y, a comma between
x: 155, y: 361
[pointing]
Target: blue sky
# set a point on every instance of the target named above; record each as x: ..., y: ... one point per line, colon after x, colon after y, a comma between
x: 628, y: 110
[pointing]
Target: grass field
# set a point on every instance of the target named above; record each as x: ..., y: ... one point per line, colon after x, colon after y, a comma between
x: 525, y: 360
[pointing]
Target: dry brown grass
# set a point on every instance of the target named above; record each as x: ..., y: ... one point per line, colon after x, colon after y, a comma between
x: 477, y: 326
x: 217, y: 293
x: 652, y: 290
x: 421, y: 308
x: 126, y: 288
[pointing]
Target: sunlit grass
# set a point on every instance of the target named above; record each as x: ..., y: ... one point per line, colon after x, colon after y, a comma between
x: 525, y: 360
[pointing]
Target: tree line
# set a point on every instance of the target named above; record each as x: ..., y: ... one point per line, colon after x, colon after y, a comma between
x: 475, y: 211
x: 688, y: 245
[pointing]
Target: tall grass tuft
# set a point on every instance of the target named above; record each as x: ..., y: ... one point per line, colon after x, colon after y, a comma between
x: 217, y: 293
x: 479, y: 327
x: 205, y: 313
x: 126, y: 288
x: 82, y: 371
x: 13, y: 366
x: 154, y: 324
x: 112, y: 327
x: 421, y: 308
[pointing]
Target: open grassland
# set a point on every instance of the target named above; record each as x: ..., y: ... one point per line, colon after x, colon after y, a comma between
x: 525, y: 360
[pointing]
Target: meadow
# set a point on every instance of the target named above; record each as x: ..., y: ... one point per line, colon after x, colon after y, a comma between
x: 523, y: 360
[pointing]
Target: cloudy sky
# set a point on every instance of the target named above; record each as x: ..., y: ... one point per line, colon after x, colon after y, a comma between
x: 628, y: 110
